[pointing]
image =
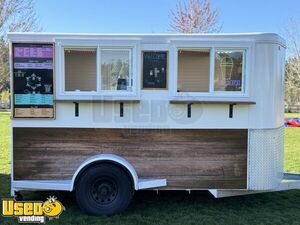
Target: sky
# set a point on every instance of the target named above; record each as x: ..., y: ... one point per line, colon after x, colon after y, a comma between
x: 141, y: 16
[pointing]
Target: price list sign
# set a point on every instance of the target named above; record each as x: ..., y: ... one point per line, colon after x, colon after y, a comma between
x: 33, y: 80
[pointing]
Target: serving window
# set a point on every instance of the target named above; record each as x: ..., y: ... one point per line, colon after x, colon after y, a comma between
x: 116, y: 69
x: 97, y: 70
x: 80, y: 69
x: 229, y: 69
x: 211, y: 71
x: 193, y: 70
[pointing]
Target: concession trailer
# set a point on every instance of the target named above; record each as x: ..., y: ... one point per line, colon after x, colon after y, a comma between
x: 105, y: 115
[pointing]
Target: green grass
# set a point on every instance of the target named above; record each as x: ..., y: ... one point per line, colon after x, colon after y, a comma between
x: 176, y: 207
x: 292, y: 115
x: 292, y: 149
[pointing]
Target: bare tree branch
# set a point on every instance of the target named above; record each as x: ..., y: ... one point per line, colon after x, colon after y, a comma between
x: 292, y: 32
x: 15, y: 15
x: 18, y: 15
x: 292, y: 66
x: 195, y: 16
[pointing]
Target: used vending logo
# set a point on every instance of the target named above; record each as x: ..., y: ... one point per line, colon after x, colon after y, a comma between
x: 32, y: 211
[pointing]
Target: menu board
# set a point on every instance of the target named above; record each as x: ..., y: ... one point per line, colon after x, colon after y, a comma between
x: 33, y: 80
x: 155, y: 70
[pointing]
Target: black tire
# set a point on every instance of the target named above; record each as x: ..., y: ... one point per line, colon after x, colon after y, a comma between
x: 18, y: 196
x: 104, y: 189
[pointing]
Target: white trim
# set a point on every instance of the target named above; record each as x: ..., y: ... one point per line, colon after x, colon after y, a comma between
x: 151, y: 183
x: 68, y: 185
x: 228, y: 45
x: 62, y: 185
x: 289, y: 182
x: 98, y: 69
x: 257, y: 37
x: 133, y: 47
x: 65, y: 185
x: 107, y: 157
x: 212, y: 71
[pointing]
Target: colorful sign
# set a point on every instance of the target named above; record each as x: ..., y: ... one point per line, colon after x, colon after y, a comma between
x: 33, y: 52
x: 33, y: 80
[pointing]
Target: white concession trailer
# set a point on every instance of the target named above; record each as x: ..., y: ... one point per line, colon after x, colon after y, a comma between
x: 105, y: 115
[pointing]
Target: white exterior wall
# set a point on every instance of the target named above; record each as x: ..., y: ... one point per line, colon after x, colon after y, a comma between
x: 268, y: 86
x: 266, y: 134
x: 263, y: 85
x: 264, y: 79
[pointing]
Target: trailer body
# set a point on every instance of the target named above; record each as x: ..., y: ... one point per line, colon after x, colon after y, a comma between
x: 174, y: 111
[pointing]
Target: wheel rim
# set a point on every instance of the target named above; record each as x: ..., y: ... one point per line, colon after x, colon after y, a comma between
x: 104, y: 190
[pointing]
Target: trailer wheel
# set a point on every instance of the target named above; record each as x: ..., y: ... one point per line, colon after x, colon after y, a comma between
x: 104, y: 189
x: 18, y: 196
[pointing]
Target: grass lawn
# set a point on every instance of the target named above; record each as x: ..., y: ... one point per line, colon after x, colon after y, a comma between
x: 176, y: 207
x: 292, y: 115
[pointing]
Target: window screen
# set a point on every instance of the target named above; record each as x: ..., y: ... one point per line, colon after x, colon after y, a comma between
x: 193, y: 71
x: 80, y: 69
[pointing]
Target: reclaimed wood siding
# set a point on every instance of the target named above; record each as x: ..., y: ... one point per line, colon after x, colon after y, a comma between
x: 188, y: 159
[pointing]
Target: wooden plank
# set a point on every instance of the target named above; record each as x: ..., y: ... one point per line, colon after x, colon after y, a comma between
x: 189, y: 159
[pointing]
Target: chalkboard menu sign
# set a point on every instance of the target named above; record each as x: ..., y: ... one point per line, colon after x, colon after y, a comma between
x: 33, y: 80
x: 155, y: 70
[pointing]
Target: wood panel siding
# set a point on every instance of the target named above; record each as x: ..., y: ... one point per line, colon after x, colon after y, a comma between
x: 193, y: 71
x: 188, y: 159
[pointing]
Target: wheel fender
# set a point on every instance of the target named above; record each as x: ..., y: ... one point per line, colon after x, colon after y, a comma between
x: 106, y: 157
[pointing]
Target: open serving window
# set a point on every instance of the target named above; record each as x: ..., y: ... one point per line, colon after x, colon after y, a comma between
x: 214, y: 72
x: 97, y: 72
x: 193, y: 70
x: 80, y: 69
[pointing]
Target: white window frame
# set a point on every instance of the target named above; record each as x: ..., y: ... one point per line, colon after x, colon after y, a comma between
x: 213, y: 46
x: 132, y: 46
x: 129, y: 50
x: 195, y: 50
x: 63, y: 82
x: 244, y: 51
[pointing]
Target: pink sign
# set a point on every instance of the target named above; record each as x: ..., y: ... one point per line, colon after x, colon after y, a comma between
x: 33, y: 52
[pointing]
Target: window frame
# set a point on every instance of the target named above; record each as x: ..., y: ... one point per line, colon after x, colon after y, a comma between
x: 64, y: 70
x: 246, y: 46
x: 132, y: 46
x: 244, y: 51
x: 209, y: 74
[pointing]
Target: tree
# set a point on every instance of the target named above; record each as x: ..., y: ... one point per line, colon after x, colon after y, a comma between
x: 292, y: 33
x: 194, y: 16
x: 292, y: 82
x: 15, y: 15
x: 292, y: 66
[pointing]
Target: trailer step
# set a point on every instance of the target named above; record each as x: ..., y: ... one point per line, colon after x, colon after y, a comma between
x: 151, y: 183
